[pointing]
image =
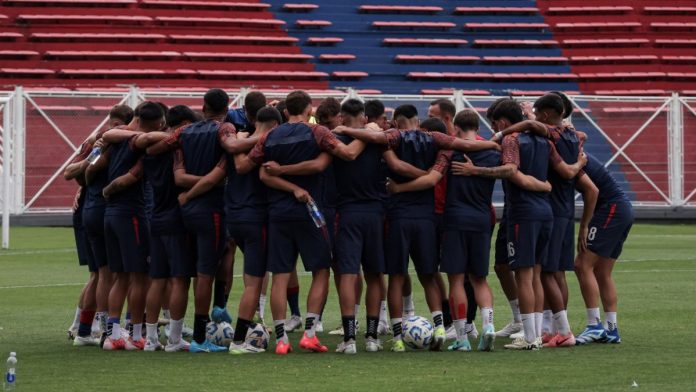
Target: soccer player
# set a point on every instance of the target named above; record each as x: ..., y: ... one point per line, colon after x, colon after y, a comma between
x: 91, y: 209
x: 410, y: 216
x: 290, y: 229
x: 599, y: 246
x: 244, y: 118
x: 246, y: 217
x: 467, y: 227
x: 127, y: 232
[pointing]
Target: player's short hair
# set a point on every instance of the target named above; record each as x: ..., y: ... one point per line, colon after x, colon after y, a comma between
x: 446, y: 106
x: 329, y: 107
x: 434, y: 125
x: 121, y: 112
x: 177, y: 115
x: 408, y: 111
x: 374, y: 108
x: 467, y: 120
x: 353, y: 107
x: 491, y: 109
x: 297, y: 101
x: 216, y: 100
x: 164, y: 107
x: 550, y: 102
x: 567, y: 104
x: 269, y: 114
x: 282, y: 106
x: 149, y: 112
x: 510, y: 109
x: 253, y: 102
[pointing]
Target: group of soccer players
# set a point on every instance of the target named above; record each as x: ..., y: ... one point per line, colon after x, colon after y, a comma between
x: 174, y: 193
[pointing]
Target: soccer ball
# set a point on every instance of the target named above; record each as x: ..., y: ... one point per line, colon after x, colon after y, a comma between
x: 417, y: 332
x: 220, y: 334
x: 258, y: 336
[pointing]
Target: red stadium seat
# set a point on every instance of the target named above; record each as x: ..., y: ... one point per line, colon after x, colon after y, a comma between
x: 631, y: 92
x: 70, y: 3
x: 233, y: 39
x: 598, y: 26
x: 686, y: 76
x: 605, y: 42
x: 634, y: 59
x: 260, y: 57
x: 299, y: 7
x: 423, y: 42
x: 399, y: 9
x: 532, y: 93
x: 673, y: 26
x: 303, y: 24
x: 496, y: 10
x: 242, y: 22
x: 679, y: 59
x: 84, y: 19
x: 413, y: 25
x: 211, y: 5
x: 349, y: 75
x: 323, y: 41
x: 408, y: 58
x: 622, y: 75
x: 490, y: 76
x: 525, y: 59
x: 675, y: 43
x: 514, y: 43
x: 336, y: 58
x: 670, y: 10
x: 505, y: 26
x: 124, y: 73
x: 111, y: 54
x: 450, y: 91
x: 603, y: 10
x: 96, y: 37
x: 10, y: 36
x: 26, y: 72
x: 17, y: 54
x: 283, y: 75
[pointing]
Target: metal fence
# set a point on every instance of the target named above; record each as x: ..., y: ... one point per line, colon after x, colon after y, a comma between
x: 648, y: 143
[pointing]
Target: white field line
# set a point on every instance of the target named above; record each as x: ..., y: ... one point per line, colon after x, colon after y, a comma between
x: 37, y: 252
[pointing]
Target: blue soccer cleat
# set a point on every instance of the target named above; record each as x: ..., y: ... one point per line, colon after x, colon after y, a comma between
x: 592, y: 333
x: 460, y: 345
x: 205, y: 347
x: 487, y: 338
x: 220, y: 315
x: 612, y: 337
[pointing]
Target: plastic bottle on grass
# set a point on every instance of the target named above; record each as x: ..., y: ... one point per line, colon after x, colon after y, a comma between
x: 11, y: 373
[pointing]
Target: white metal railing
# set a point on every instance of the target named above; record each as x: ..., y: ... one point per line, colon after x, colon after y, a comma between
x: 667, y: 114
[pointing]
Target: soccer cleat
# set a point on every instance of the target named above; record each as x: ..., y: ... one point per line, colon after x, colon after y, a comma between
x: 510, y: 329
x: 283, y: 348
x: 319, y: 327
x: 85, y: 341
x: 521, y: 344
x: 337, y: 331
x: 135, y: 345
x: 612, y: 337
x: 383, y: 328
x: 561, y: 341
x: 72, y: 332
x: 114, y: 344
x: 373, y: 345
x: 244, y: 348
x: 460, y: 345
x: 439, y: 338
x: 487, y: 338
x: 347, y: 347
x: 451, y: 333
x: 592, y: 333
x: 151, y: 345
x: 181, y: 345
x: 293, y: 323
x: 312, y: 344
x: 517, y: 335
x: 398, y: 346
x: 186, y: 331
x: 471, y: 331
x: 220, y: 315
x: 546, y: 338
x: 205, y: 347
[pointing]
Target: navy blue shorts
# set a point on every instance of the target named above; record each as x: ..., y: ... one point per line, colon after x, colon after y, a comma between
x: 127, y: 243
x: 561, y: 254
x: 414, y: 237
x: 288, y: 239
x: 330, y: 218
x: 84, y: 253
x: 170, y: 256
x: 93, y: 225
x: 609, y: 229
x: 528, y: 243
x: 501, y: 250
x: 465, y: 252
x: 250, y: 237
x: 207, y: 234
x: 360, y: 242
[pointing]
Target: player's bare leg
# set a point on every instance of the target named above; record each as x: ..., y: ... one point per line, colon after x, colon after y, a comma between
x: 434, y: 301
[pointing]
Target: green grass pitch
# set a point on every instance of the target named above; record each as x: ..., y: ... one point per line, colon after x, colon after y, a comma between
x: 656, y: 279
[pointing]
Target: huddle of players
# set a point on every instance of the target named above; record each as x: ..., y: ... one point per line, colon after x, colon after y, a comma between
x: 258, y: 185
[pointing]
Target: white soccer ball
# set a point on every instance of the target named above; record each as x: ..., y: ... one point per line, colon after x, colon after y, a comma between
x: 220, y: 334
x: 258, y: 336
x: 417, y: 332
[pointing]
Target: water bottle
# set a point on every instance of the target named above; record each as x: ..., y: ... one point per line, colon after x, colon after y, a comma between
x: 315, y: 214
x: 94, y: 155
x: 10, y: 375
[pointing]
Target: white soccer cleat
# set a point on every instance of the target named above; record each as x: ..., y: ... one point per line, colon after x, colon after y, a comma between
x: 517, y: 335
x: 373, y: 345
x: 521, y: 344
x: 244, y: 348
x: 451, y: 333
x: 153, y: 346
x: 80, y: 341
x: 510, y: 329
x: 347, y: 347
x: 337, y: 331
x: 293, y: 323
x: 181, y: 345
x: 72, y: 332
